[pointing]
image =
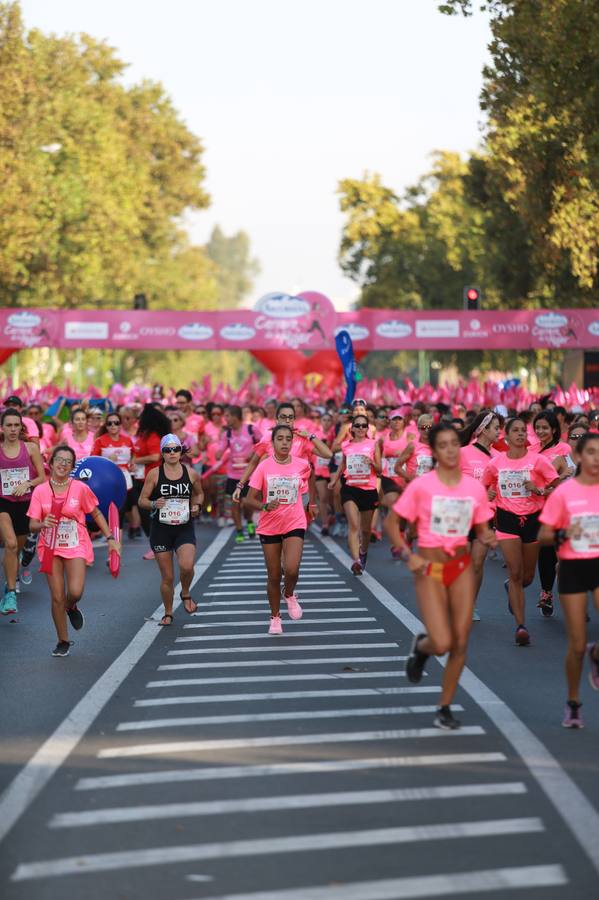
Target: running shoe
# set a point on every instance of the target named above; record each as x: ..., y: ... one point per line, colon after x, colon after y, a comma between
x: 26, y: 576
x: 251, y: 530
x: 293, y: 608
x: 475, y: 615
x: 522, y: 636
x: 276, y: 626
x: 221, y: 522
x: 28, y: 551
x: 363, y: 557
x: 76, y: 617
x: 239, y: 537
x: 506, y: 586
x: 545, y: 603
x: 572, y: 715
x: 594, y: 667
x: 149, y: 554
x: 9, y: 603
x: 324, y: 531
x: 356, y: 568
x: 416, y: 661
x: 445, y: 719
x: 62, y: 648
x: 375, y: 536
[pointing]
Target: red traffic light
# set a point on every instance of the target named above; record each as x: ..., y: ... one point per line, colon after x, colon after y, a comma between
x: 472, y: 294
x: 472, y: 297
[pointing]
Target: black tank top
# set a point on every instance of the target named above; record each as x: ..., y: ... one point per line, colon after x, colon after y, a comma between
x: 179, y: 489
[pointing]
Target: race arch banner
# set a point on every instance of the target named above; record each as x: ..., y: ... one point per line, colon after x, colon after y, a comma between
x: 306, y: 322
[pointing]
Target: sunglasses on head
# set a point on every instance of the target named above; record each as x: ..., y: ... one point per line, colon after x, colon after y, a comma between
x: 171, y: 449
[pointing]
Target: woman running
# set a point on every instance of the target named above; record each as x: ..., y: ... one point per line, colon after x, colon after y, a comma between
x: 442, y: 506
x: 570, y: 522
x: 153, y: 425
x: 360, y: 465
x: 392, y: 445
x: 21, y: 470
x: 276, y: 489
x: 520, y: 480
x: 79, y: 436
x: 57, y: 510
x: 173, y: 493
x: 417, y: 458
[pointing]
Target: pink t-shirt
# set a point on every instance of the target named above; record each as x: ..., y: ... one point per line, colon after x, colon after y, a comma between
x: 287, y: 483
x: 241, y: 445
x: 391, y: 451
x: 474, y: 461
x: 320, y: 464
x: 443, y: 515
x: 73, y: 540
x: 507, y: 478
x: 81, y: 448
x: 559, y: 449
x: 421, y: 461
x: 359, y: 460
x: 575, y: 503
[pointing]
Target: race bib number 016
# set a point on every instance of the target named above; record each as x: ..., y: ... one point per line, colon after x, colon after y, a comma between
x: 11, y: 478
x: 588, y: 538
x: 512, y: 482
x: 451, y: 516
x: 67, y: 535
x: 175, y: 511
x: 284, y: 488
x: 358, y: 467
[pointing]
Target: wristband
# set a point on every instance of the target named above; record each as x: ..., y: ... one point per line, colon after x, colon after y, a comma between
x: 241, y: 484
x: 265, y: 507
x: 561, y: 535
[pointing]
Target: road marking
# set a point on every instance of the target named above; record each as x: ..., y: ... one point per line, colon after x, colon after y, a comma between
x: 236, y: 605
x: 257, y: 663
x: 170, y: 776
x: 304, y: 622
x: 255, y: 679
x: 241, y: 718
x: 252, y: 612
x: 284, y: 695
x: 283, y: 648
x: 263, y: 635
x: 36, y: 773
x: 254, y: 593
x: 454, y: 884
x: 341, y: 737
x: 573, y: 806
x: 119, y: 814
x: 86, y: 864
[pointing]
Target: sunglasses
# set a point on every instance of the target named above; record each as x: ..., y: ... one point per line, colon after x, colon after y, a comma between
x: 382, y: 418
x: 575, y: 437
x: 171, y: 449
x: 425, y: 427
x: 360, y: 425
x: 288, y: 418
x: 113, y: 422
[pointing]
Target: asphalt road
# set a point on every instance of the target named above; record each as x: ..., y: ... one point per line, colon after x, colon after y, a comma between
x: 209, y: 760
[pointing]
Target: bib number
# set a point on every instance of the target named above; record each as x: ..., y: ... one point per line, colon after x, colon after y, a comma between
x: 358, y: 467
x: 120, y: 456
x: 11, y: 478
x: 139, y: 471
x: 588, y: 540
x: 424, y: 464
x: 512, y: 482
x: 451, y: 516
x: 390, y: 463
x: 67, y: 535
x: 284, y: 488
x: 174, y: 512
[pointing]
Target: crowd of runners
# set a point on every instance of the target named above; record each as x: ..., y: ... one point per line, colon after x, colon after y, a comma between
x: 443, y: 485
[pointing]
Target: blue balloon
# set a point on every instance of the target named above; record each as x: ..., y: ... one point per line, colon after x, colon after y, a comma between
x: 104, y: 478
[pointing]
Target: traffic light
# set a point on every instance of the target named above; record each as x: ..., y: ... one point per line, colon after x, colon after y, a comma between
x: 472, y: 298
x: 140, y: 301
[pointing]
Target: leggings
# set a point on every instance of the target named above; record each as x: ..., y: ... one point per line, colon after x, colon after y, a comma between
x: 547, y: 564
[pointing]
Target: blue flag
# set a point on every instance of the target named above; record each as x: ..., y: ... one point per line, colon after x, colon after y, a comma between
x: 345, y: 352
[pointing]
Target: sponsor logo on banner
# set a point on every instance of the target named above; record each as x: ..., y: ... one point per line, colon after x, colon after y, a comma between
x: 554, y: 329
x: 594, y: 328
x: 237, y: 332
x: 475, y: 330
x: 437, y: 328
x: 25, y: 320
x: 510, y: 328
x: 355, y: 331
x: 282, y: 306
x: 551, y: 320
x: 86, y: 331
x: 474, y: 324
x: 25, y: 329
x: 125, y: 327
x: 157, y: 331
x: 195, y: 331
x: 394, y: 329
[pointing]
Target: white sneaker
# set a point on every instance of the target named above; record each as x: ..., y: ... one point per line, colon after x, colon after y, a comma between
x: 276, y: 626
x: 293, y: 608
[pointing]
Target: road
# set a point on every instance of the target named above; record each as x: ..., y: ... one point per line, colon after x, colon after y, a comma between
x: 208, y: 760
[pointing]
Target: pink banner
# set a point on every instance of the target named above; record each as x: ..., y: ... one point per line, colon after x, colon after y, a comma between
x: 307, y: 322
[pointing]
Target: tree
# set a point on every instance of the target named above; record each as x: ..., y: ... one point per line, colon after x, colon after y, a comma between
x: 236, y: 269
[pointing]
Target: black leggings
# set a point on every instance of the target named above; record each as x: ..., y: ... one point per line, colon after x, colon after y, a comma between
x: 547, y: 564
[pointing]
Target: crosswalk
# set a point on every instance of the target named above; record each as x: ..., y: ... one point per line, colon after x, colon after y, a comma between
x: 299, y: 767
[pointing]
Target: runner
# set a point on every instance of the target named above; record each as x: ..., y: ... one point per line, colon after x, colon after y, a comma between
x: 276, y: 489
x: 64, y: 537
x: 360, y: 465
x: 152, y: 427
x: 21, y: 469
x: 392, y: 446
x: 442, y: 506
x: 240, y: 441
x: 79, y: 437
x: 417, y: 458
x: 173, y: 492
x: 520, y: 480
x: 570, y: 522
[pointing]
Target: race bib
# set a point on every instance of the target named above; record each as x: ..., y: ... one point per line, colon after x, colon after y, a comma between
x: 175, y: 511
x: 11, y: 478
x: 451, y: 516
x: 390, y: 463
x: 139, y: 471
x: 284, y: 488
x: 121, y: 456
x: 424, y: 464
x: 67, y: 535
x: 511, y: 482
x: 588, y: 542
x: 358, y: 467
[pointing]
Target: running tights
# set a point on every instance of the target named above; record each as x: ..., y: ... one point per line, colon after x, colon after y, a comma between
x: 547, y: 564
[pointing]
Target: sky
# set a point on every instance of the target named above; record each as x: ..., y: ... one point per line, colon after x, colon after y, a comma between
x: 288, y: 99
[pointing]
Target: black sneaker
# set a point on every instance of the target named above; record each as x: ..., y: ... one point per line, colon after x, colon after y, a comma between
x: 506, y: 585
x: 324, y: 531
x: 416, y: 661
x: 76, y: 618
x: 363, y: 557
x: 445, y: 719
x: 62, y: 648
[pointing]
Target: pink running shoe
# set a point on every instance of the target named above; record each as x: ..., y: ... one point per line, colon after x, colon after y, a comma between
x: 572, y: 715
x: 293, y: 608
x: 149, y: 555
x: 276, y: 626
x: 594, y: 667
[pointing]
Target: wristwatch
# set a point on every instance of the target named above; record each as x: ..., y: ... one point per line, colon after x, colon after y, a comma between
x: 312, y: 436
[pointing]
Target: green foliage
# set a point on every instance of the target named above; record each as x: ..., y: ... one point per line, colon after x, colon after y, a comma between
x: 236, y: 269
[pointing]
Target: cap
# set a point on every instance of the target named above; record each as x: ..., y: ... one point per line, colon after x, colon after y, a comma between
x: 13, y: 399
x: 169, y: 440
x: 396, y: 414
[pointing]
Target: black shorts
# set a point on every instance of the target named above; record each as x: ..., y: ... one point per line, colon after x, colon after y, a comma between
x: 230, y: 486
x: 524, y: 527
x: 279, y: 538
x: 578, y: 576
x: 133, y: 495
x: 365, y: 499
x: 388, y: 486
x: 168, y: 538
x: 321, y: 478
x: 17, y: 510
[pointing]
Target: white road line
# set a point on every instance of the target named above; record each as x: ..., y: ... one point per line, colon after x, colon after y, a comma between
x: 249, y: 718
x: 119, y: 814
x: 252, y: 612
x: 304, y: 622
x: 283, y: 648
x: 571, y: 803
x: 256, y: 679
x: 234, y: 606
x: 263, y: 635
x: 329, y: 693
x: 156, y: 856
x: 336, y: 737
x: 329, y: 767
x: 254, y: 593
x: 451, y: 884
x: 259, y: 663
x: 25, y: 787
x: 225, y: 582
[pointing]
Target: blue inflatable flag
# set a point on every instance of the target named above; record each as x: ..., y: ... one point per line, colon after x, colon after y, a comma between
x: 345, y: 352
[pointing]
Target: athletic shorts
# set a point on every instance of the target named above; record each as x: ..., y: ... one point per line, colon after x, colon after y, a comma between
x: 365, y: 500
x: 578, y: 576
x: 388, y: 486
x: 279, y: 538
x: 472, y: 532
x: 510, y: 526
x: 168, y: 538
x: 322, y: 478
x: 231, y: 485
x: 133, y: 495
x: 17, y: 510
